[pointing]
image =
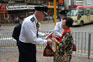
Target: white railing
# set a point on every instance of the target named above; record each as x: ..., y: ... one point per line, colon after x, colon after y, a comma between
x: 83, y: 41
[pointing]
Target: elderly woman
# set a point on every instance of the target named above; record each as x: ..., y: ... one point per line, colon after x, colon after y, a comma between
x: 65, y: 42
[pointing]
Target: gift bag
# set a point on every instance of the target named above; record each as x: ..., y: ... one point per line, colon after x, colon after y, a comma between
x: 48, y: 51
x: 74, y: 47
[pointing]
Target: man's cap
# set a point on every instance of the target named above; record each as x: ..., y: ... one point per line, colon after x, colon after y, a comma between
x: 63, y: 12
x: 21, y: 17
x: 44, y: 9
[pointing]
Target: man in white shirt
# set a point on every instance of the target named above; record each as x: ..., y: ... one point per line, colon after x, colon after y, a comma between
x: 58, y: 30
x: 29, y: 35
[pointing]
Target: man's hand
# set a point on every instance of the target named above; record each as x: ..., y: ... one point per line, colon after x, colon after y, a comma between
x: 47, y: 34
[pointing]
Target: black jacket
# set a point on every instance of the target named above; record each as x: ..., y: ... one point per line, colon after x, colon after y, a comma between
x: 16, y: 32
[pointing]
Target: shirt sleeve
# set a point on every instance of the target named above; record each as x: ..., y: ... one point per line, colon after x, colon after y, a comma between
x: 56, y: 30
x: 30, y: 34
x: 41, y: 34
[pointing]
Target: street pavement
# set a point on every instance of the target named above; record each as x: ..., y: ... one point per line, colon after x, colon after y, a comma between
x: 11, y: 55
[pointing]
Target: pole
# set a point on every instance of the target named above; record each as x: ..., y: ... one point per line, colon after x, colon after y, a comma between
x: 0, y: 20
x: 89, y: 45
x: 55, y: 16
x: 55, y: 20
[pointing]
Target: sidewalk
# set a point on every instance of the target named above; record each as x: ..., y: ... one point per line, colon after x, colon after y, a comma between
x: 12, y: 56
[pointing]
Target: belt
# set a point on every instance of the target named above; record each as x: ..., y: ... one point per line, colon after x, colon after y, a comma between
x: 26, y: 43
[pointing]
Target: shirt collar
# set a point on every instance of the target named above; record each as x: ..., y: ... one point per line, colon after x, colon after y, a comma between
x: 35, y: 18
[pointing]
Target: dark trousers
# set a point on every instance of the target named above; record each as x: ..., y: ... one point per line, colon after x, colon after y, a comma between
x: 27, y: 52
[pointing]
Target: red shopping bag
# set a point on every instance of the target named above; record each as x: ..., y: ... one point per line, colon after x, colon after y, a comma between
x: 48, y: 51
x: 74, y: 47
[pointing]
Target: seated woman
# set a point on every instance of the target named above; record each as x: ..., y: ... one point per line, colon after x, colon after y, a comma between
x: 65, y: 42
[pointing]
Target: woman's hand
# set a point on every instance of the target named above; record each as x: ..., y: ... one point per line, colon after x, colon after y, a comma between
x: 55, y: 40
x: 54, y: 35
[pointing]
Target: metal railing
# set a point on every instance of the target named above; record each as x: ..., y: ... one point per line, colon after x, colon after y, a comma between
x: 83, y: 41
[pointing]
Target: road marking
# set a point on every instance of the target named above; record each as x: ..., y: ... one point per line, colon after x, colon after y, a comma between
x: 8, y: 38
x: 8, y: 47
x: 86, y: 51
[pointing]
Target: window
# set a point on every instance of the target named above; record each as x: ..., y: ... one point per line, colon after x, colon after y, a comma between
x: 91, y: 11
x: 72, y: 12
x: 83, y: 12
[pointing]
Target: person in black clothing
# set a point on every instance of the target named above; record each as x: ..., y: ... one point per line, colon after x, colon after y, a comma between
x: 17, y: 29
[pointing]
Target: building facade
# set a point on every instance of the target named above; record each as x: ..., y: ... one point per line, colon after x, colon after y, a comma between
x: 16, y: 8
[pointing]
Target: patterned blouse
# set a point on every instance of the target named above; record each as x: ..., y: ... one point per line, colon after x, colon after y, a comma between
x: 67, y: 43
x: 64, y: 52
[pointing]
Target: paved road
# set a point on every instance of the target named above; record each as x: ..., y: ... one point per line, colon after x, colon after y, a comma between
x: 85, y: 28
x: 48, y: 26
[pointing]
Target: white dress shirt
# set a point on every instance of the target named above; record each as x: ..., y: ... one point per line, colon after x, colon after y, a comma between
x: 29, y: 31
x: 58, y: 30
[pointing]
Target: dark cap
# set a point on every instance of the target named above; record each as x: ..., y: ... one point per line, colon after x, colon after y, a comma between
x: 63, y: 12
x: 44, y: 9
x: 21, y: 17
